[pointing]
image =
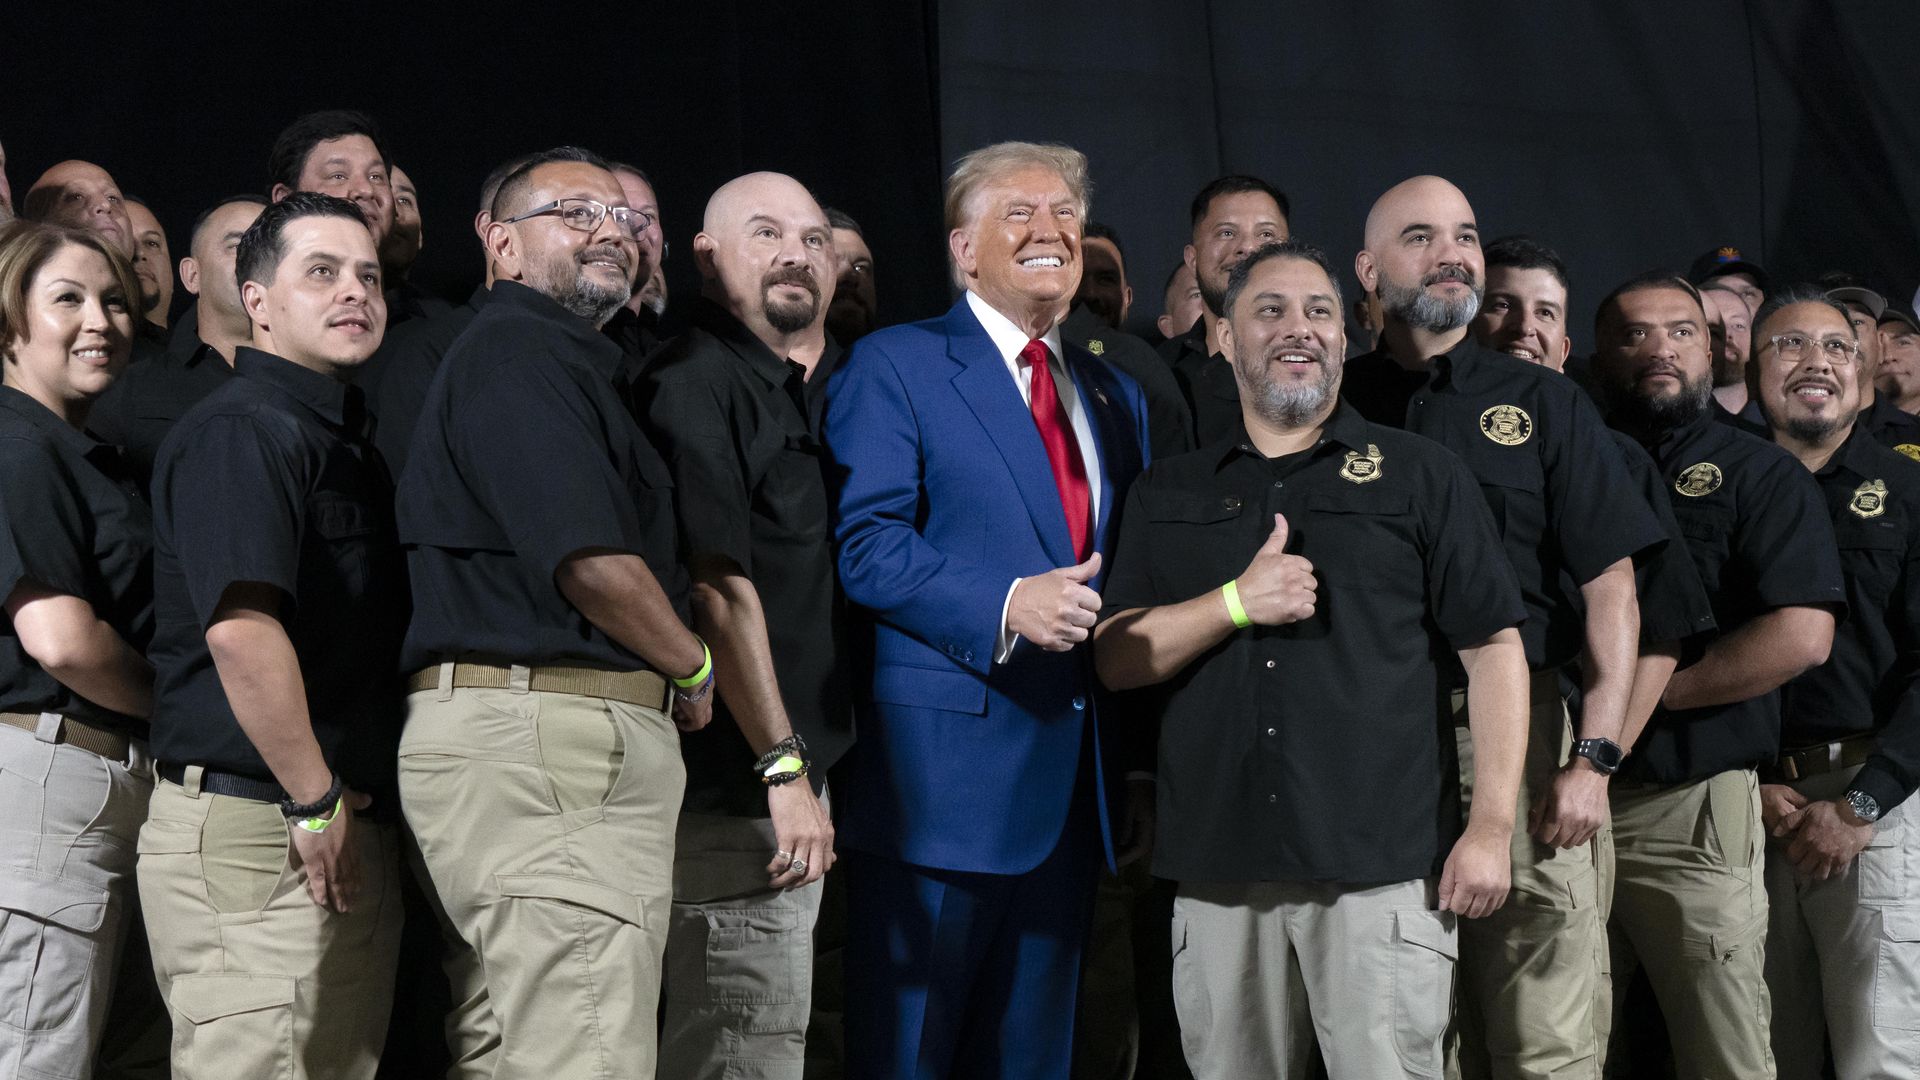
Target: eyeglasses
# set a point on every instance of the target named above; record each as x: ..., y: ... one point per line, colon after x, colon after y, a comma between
x: 586, y: 215
x: 1794, y: 348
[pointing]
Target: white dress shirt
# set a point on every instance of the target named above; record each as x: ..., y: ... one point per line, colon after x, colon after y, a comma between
x: 1010, y: 339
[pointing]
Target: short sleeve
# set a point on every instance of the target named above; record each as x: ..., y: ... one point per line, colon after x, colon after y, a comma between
x: 227, y: 499
x: 1471, y: 588
x: 536, y: 450
x: 1673, y: 603
x: 698, y: 433
x: 1785, y: 539
x: 1129, y: 584
x: 1599, y: 516
x: 43, y: 525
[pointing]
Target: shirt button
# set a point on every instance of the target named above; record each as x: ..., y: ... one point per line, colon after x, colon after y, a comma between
x: 1079, y: 703
x: 1269, y: 663
x: 1273, y: 798
x: 1270, y: 731
x: 1277, y: 484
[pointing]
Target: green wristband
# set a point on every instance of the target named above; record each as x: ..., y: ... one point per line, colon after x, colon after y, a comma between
x: 698, y: 677
x: 1230, y: 592
x: 319, y: 824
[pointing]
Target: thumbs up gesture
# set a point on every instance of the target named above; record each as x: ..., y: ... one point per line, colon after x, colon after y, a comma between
x: 1056, y: 610
x: 1278, y: 588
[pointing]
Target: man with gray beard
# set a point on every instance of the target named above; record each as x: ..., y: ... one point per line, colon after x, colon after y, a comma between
x: 539, y: 769
x: 1571, y: 522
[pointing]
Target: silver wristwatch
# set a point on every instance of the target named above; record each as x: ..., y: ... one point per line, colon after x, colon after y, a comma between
x: 1864, y: 806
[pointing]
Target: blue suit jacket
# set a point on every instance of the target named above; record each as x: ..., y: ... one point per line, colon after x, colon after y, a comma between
x: 943, y: 496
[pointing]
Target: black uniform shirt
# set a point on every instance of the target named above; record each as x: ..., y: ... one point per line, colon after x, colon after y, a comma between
x: 526, y: 453
x: 731, y: 419
x: 399, y: 374
x: 1673, y: 605
x: 1760, y: 539
x: 1206, y: 379
x: 1169, y: 418
x: 1891, y: 426
x: 1313, y: 751
x: 1872, y: 680
x: 70, y: 521
x: 1560, y: 495
x: 141, y: 406
x: 272, y: 480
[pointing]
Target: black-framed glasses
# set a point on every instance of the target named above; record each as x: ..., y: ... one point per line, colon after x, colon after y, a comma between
x: 585, y: 215
x: 1794, y: 348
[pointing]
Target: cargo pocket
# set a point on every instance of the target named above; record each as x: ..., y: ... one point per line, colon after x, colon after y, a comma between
x: 48, y: 926
x: 1881, y: 869
x: 1727, y: 946
x: 1192, y: 1006
x: 1424, y: 949
x: 756, y: 956
x: 232, y: 1024
x: 1896, y: 979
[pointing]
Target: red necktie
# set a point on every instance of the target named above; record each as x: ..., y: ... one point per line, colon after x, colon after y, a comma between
x: 1063, y: 449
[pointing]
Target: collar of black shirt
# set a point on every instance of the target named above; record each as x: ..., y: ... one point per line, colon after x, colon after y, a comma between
x: 1675, y: 440
x: 25, y: 406
x: 593, y: 348
x: 1859, y: 455
x: 339, y: 404
x: 1345, y: 426
x: 733, y: 333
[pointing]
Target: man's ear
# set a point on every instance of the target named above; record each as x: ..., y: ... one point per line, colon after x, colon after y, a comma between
x: 280, y: 191
x: 1365, y: 270
x: 503, y: 247
x: 190, y: 275
x: 253, y: 299
x: 703, y: 249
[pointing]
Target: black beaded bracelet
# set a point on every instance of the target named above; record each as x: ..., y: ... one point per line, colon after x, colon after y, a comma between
x: 320, y: 808
x: 792, y: 744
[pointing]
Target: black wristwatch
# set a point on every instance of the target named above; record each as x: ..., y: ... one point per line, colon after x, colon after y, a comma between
x: 1864, y: 806
x: 1605, y: 754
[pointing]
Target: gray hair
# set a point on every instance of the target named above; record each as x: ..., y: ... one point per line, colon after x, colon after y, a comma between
x: 977, y: 169
x: 1789, y: 296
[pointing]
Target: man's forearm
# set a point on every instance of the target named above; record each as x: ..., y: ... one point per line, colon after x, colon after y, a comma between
x: 1756, y: 658
x: 618, y: 593
x: 1650, y: 674
x: 261, y: 676
x: 1497, y: 718
x: 1144, y: 646
x: 726, y: 608
x: 1613, y: 632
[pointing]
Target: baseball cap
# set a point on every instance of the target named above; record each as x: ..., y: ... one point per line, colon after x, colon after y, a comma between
x: 1875, y: 304
x: 1725, y: 260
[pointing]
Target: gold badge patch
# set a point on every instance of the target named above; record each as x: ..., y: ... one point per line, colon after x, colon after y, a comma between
x: 1362, y: 469
x: 1910, y: 450
x: 1508, y: 425
x: 1869, y: 499
x: 1097, y: 347
x: 1698, y: 480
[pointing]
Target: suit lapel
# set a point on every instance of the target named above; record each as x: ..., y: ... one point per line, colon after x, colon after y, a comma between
x: 985, y: 385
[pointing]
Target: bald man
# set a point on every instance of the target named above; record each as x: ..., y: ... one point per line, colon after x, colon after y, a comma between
x: 81, y: 195
x: 731, y: 404
x: 1571, y: 522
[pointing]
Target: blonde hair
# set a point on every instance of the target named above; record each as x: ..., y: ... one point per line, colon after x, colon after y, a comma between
x: 977, y: 169
x: 25, y: 247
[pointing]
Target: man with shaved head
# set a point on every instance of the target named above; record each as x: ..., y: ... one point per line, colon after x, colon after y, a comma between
x: 726, y: 402
x: 1571, y: 522
x: 540, y: 770
x: 80, y: 194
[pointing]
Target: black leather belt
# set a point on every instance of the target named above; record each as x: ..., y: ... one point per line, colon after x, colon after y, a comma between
x: 220, y: 783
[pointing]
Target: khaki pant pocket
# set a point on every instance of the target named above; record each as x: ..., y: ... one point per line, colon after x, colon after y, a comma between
x: 1192, y: 1005
x: 232, y: 1025
x: 756, y: 956
x: 1896, y: 980
x: 1425, y: 946
x: 49, y: 929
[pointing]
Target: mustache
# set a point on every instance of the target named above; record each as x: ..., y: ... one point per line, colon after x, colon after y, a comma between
x: 791, y: 275
x: 1449, y: 273
x: 612, y: 253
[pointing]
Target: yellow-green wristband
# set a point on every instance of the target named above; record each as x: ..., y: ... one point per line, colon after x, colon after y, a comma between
x: 1230, y: 592
x: 319, y: 824
x: 698, y: 677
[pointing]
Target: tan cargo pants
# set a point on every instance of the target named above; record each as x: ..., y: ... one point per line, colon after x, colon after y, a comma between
x: 1843, y: 955
x: 259, y: 980
x: 68, y: 819
x: 546, y: 822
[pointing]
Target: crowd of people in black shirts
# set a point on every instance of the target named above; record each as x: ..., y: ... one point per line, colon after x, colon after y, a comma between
x: 1249, y: 704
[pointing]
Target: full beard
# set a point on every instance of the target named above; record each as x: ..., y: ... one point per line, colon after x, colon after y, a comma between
x: 1421, y: 310
x: 1288, y: 404
x: 1656, y: 415
x: 564, y: 278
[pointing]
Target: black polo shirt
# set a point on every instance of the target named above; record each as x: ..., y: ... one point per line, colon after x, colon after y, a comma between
x: 1206, y: 381
x: 1758, y: 532
x: 71, y: 521
x: 1313, y: 751
x: 1673, y: 604
x: 1560, y: 495
x: 398, y: 375
x: 272, y: 479
x: 731, y: 418
x: 1872, y: 680
x: 145, y: 402
x: 1891, y: 426
x: 526, y: 453
x: 1169, y: 418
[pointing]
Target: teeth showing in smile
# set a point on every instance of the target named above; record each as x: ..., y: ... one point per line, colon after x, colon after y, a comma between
x: 91, y: 354
x: 1818, y: 392
x: 1522, y: 353
x: 1044, y: 260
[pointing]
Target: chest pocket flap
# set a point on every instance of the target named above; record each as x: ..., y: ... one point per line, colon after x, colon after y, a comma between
x: 1195, y: 509
x: 342, y: 519
x: 1360, y: 501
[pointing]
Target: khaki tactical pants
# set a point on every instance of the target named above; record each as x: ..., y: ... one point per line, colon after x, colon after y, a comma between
x: 739, y: 960
x: 261, y: 981
x: 1260, y: 969
x: 68, y: 819
x: 1689, y: 905
x: 545, y: 822
x: 1843, y: 955
x: 1533, y: 972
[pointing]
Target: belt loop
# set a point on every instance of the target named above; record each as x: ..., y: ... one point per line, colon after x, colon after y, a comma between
x: 49, y: 729
x: 519, y: 679
x: 446, y: 680
x: 138, y: 762
x: 1833, y: 754
x: 190, y: 780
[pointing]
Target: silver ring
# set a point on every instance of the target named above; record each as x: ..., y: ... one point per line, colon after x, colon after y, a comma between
x: 787, y: 855
x: 799, y: 866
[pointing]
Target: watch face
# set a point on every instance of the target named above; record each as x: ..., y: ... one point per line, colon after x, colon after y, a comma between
x: 1601, y: 752
x: 1865, y: 807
